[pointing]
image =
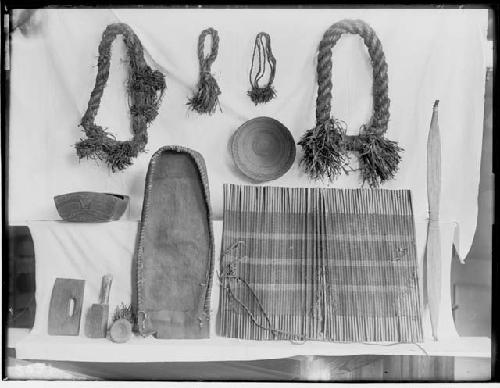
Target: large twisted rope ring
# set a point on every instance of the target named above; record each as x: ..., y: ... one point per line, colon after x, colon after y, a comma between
x: 326, y: 145
x: 381, y: 100
x: 145, y: 90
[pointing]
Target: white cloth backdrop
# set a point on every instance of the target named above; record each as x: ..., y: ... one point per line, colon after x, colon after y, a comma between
x: 432, y: 54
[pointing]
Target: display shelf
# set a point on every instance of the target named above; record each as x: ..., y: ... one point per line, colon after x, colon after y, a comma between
x: 58, y: 256
x: 75, y: 348
x: 14, y: 335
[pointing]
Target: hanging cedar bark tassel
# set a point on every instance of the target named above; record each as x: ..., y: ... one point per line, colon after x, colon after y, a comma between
x: 207, y: 96
x: 326, y: 154
x: 265, y: 58
x: 324, y: 150
x: 145, y: 89
x: 378, y: 158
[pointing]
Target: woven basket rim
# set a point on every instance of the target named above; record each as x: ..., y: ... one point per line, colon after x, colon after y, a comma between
x: 115, y: 195
x: 282, y: 166
x: 117, y: 204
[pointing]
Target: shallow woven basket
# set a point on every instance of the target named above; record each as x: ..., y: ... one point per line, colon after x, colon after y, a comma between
x: 88, y: 206
x: 263, y: 149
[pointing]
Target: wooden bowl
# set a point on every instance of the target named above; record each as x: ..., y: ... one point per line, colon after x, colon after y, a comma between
x: 88, y: 206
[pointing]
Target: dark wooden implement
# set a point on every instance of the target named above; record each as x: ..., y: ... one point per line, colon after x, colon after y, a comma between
x: 66, y: 307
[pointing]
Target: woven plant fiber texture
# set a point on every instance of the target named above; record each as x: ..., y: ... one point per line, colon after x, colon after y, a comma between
x: 175, y: 247
x: 88, y: 206
x: 326, y: 146
x: 145, y: 88
x: 262, y: 58
x: 319, y: 264
x: 263, y: 149
x: 206, y: 97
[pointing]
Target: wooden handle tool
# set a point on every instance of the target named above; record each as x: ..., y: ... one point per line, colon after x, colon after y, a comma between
x: 96, y: 323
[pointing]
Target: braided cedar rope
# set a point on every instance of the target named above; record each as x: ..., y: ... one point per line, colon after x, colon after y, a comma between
x: 381, y: 100
x: 265, y: 56
x: 206, y: 98
x: 325, y: 146
x: 145, y: 88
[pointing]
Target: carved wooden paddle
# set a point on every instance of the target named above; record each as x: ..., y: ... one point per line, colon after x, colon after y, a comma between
x: 97, y: 317
x: 433, y: 232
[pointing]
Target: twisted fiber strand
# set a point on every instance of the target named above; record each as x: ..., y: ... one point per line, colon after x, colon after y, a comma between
x: 145, y: 92
x: 206, y: 99
x: 272, y: 329
x: 136, y: 56
x: 245, y: 307
x: 260, y: 48
x: 265, y: 54
x: 229, y: 272
x: 206, y: 63
x: 381, y: 100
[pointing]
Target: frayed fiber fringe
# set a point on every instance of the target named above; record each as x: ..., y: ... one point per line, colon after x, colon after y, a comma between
x: 145, y: 90
x: 378, y: 158
x: 206, y: 98
x: 324, y: 151
x: 262, y: 95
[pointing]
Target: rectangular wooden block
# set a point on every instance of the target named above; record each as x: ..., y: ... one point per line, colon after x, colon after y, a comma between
x: 66, y: 307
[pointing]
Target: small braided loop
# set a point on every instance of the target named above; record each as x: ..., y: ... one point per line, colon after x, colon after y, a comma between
x: 262, y: 58
x: 263, y: 49
x: 206, y: 97
x: 381, y: 102
x: 206, y: 63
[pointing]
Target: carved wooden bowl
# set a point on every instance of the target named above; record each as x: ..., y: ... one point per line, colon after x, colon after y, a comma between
x: 88, y: 206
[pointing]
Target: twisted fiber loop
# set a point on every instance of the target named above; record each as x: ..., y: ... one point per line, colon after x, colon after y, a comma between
x: 326, y: 145
x: 265, y: 54
x: 381, y: 102
x: 145, y: 89
x: 206, y: 99
x: 262, y: 48
x: 206, y: 63
x: 137, y: 62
